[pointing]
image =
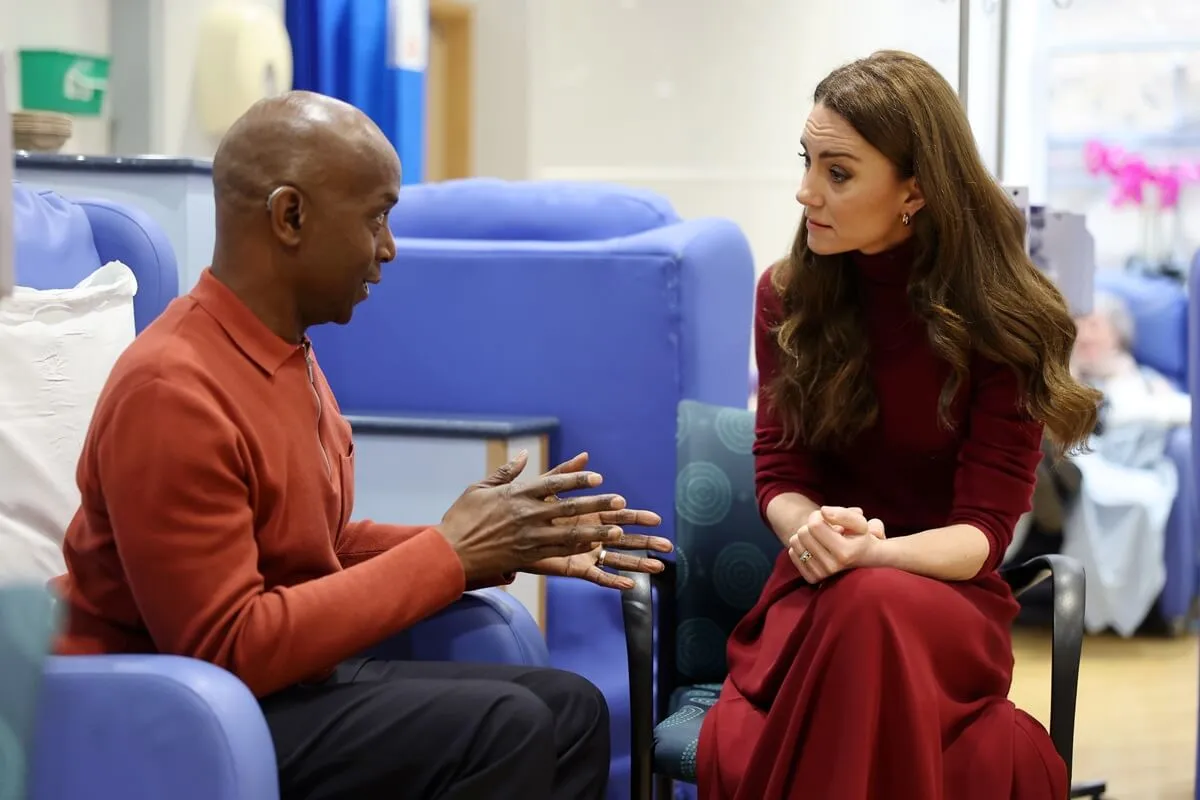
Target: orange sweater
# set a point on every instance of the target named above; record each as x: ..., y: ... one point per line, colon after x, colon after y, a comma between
x: 217, y: 484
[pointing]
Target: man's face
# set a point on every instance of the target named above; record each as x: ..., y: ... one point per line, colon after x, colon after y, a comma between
x: 347, y: 239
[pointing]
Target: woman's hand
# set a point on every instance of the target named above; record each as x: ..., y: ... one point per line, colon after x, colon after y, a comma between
x: 833, y: 540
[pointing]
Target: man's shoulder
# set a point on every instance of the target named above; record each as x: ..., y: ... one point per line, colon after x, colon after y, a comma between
x: 174, y: 349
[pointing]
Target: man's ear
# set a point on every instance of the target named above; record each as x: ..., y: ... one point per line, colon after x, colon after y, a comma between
x: 287, y: 211
x: 914, y: 198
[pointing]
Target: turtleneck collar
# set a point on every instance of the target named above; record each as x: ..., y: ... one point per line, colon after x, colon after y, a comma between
x: 891, y: 267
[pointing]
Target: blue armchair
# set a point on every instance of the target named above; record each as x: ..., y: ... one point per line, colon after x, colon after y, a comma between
x: 146, y: 727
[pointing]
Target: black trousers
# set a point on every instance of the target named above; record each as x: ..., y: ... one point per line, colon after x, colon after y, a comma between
x: 412, y: 730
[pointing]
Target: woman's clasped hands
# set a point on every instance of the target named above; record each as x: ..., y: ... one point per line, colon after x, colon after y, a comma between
x: 834, y: 539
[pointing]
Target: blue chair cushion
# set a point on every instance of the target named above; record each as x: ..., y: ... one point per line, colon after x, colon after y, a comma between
x: 677, y: 736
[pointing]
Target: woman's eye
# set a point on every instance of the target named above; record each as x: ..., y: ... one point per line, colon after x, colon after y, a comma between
x: 838, y: 175
x: 807, y: 161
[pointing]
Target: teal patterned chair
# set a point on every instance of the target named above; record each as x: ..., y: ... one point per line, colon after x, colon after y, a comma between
x: 724, y: 554
x: 26, y: 630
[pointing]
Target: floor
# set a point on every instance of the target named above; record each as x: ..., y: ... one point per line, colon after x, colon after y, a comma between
x: 1137, y: 714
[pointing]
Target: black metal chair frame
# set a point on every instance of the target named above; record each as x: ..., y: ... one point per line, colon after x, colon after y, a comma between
x: 1067, y: 583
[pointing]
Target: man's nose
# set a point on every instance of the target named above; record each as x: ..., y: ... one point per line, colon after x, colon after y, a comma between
x: 387, y: 246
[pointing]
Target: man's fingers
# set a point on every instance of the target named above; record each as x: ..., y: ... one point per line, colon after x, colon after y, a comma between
x: 586, y: 506
x: 559, y: 483
x: 608, y: 580
x: 628, y: 563
x: 560, y: 540
x: 637, y: 541
x: 507, y: 473
x: 571, y: 465
x: 631, y: 516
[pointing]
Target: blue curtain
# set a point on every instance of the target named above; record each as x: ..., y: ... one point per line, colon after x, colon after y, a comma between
x: 341, y: 48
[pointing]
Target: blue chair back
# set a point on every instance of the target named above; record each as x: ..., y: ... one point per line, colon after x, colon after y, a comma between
x: 26, y: 631
x: 59, y: 242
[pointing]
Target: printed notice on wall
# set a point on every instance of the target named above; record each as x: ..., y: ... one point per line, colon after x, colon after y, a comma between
x: 408, y: 27
x: 6, y: 190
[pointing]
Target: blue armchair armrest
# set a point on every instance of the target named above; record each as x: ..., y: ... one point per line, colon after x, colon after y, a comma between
x: 146, y: 728
x: 149, y: 727
x: 485, y: 626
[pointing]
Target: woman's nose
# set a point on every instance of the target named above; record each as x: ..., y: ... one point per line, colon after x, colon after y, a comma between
x: 805, y: 195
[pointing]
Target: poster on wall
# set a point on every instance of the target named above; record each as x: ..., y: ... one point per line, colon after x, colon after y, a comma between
x: 408, y: 37
x: 6, y: 192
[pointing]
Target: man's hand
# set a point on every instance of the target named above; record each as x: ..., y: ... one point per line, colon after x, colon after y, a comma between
x: 498, y: 526
x: 590, y: 565
x: 834, y: 540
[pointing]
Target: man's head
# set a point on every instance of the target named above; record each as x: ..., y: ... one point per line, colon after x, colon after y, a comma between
x: 303, y: 185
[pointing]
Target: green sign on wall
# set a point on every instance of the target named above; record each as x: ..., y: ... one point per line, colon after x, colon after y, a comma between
x: 57, y: 80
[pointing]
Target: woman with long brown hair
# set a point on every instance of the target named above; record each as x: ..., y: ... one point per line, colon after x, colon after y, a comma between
x: 911, y: 357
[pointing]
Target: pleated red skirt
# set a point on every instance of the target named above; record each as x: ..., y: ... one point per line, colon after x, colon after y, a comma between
x: 876, y: 684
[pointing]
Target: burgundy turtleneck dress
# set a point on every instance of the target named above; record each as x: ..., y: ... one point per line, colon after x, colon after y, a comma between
x: 880, y: 683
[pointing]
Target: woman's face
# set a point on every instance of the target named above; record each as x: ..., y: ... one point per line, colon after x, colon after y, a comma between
x: 852, y: 195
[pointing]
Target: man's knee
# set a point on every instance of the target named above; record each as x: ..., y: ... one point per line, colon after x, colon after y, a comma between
x: 519, y: 720
x: 574, y: 700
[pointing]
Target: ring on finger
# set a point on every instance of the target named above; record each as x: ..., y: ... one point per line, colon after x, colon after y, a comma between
x: 600, y: 558
x: 805, y: 557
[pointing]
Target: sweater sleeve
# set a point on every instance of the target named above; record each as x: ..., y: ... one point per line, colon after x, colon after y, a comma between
x: 778, y: 468
x: 997, y: 462
x: 365, y: 539
x: 174, y: 479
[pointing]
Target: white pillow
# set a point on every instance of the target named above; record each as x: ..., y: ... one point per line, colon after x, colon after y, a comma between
x: 57, y: 348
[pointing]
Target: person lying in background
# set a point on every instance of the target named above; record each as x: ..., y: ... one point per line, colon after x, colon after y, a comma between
x: 1127, y: 486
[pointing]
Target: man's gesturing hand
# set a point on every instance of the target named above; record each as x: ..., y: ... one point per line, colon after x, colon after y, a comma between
x: 497, y: 526
x: 594, y: 564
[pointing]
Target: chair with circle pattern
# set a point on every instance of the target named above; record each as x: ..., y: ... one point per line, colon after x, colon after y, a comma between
x: 724, y: 554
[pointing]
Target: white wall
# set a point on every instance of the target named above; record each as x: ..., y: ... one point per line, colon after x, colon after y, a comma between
x: 76, y: 25
x: 176, y: 130
x: 701, y: 100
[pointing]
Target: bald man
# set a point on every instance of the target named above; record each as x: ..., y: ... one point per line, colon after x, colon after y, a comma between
x: 217, y: 485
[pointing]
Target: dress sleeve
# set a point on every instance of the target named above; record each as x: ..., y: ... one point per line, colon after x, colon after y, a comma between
x: 778, y: 468
x: 997, y: 462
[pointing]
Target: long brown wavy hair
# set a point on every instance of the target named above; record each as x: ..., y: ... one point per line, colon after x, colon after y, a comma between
x: 972, y: 282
